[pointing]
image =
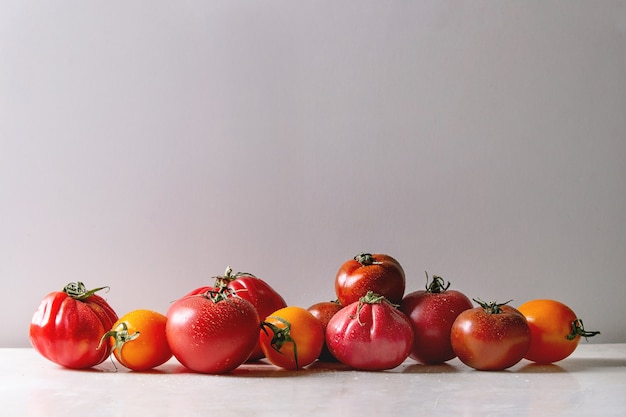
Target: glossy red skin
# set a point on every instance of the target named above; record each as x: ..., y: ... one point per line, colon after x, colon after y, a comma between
x: 354, y: 280
x: 324, y: 311
x: 490, y: 342
x: 263, y: 297
x: 68, y: 331
x: 212, y: 337
x: 381, y: 338
x: 431, y: 315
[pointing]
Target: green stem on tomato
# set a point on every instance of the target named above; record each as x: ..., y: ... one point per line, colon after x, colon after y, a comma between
x: 281, y: 336
x: 78, y: 291
x: 437, y: 286
x: 578, y: 329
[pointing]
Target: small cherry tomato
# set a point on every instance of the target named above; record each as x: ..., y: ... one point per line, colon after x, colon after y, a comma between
x: 213, y: 332
x: 490, y: 337
x: 138, y: 340
x: 68, y: 325
x: 370, y: 334
x: 379, y: 273
x: 431, y: 313
x: 324, y: 311
x: 291, y: 337
x: 554, y: 329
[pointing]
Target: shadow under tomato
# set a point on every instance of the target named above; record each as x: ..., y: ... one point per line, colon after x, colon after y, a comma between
x: 419, y: 368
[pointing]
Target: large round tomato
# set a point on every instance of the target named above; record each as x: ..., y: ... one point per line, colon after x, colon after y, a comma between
x: 212, y: 332
x: 490, y: 337
x: 432, y: 312
x: 379, y: 273
x: 370, y: 334
x: 255, y: 290
x: 68, y: 325
x: 554, y: 329
x: 324, y: 311
x: 291, y: 337
x: 138, y: 340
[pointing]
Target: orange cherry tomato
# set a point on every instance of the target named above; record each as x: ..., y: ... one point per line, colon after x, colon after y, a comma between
x: 291, y: 337
x: 554, y: 330
x: 138, y: 340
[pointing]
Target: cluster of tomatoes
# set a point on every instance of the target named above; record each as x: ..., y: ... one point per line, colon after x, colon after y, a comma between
x: 373, y: 325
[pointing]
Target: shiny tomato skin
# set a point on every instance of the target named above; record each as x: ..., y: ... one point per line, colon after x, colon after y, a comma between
x: 551, y: 322
x: 67, y: 331
x: 370, y: 336
x: 303, y: 332
x: 138, y: 340
x: 209, y: 336
x: 490, y: 341
x: 324, y: 311
x: 379, y: 273
x: 432, y: 316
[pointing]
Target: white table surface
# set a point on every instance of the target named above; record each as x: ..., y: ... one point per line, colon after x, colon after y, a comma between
x: 591, y: 382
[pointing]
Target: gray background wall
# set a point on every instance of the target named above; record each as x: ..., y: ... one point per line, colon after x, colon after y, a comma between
x: 147, y: 145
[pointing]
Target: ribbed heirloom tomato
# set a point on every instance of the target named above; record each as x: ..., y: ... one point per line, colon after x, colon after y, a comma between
x: 554, y: 328
x: 68, y: 325
x: 370, y: 334
x: 138, y: 340
x: 490, y: 337
x: 379, y: 273
x: 291, y: 338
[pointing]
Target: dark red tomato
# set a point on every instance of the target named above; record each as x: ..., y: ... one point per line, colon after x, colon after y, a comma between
x: 370, y: 334
x: 490, y: 337
x: 213, y: 332
x: 379, y: 273
x: 432, y: 312
x: 324, y: 311
x: 68, y: 325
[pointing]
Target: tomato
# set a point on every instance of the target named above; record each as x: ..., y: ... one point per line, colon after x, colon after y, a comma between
x: 432, y: 312
x: 324, y: 311
x: 213, y: 332
x: 379, y: 273
x: 138, y: 340
x: 291, y: 337
x: 490, y: 337
x: 263, y: 297
x: 554, y: 329
x: 68, y: 325
x: 370, y: 334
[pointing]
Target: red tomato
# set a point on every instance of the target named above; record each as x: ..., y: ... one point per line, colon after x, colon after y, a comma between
x: 291, y: 338
x: 324, y: 311
x: 554, y: 330
x: 138, y: 340
x: 213, y: 332
x: 491, y: 337
x: 432, y: 312
x: 263, y: 297
x: 68, y: 325
x: 370, y: 334
x: 379, y: 273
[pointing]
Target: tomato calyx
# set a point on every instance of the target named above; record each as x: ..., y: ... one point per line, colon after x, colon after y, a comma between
x: 120, y: 337
x: 437, y: 286
x: 281, y: 336
x: 370, y: 298
x: 224, y: 280
x: 578, y: 329
x: 78, y: 290
x: 366, y: 259
x: 492, y: 307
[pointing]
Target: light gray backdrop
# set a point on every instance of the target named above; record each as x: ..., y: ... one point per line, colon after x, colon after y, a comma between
x: 147, y: 145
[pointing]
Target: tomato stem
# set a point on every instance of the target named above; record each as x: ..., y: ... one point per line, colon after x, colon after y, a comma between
x: 223, y: 280
x: 578, y: 329
x: 437, y: 286
x: 492, y: 307
x: 281, y: 336
x: 78, y: 291
x: 370, y: 298
x: 120, y: 337
x: 366, y: 259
